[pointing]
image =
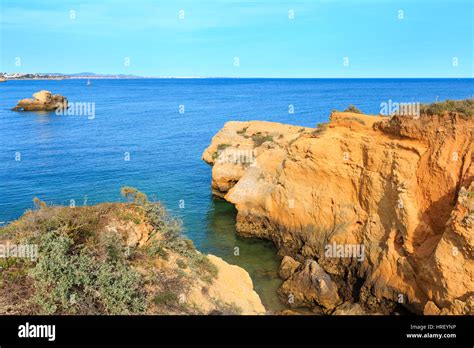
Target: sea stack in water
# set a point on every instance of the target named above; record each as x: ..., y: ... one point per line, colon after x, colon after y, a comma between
x: 43, y: 101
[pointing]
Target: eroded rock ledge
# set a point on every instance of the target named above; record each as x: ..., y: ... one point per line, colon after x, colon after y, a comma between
x: 400, y: 187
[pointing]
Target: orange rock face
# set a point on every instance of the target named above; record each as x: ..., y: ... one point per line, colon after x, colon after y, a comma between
x: 43, y: 101
x: 383, y: 205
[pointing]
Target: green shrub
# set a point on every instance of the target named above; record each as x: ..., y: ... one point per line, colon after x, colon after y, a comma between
x: 165, y: 298
x: 128, y: 216
x: 463, y: 107
x: 352, y: 108
x: 39, y: 204
x: 206, y: 270
x: 12, y: 269
x: 171, y: 229
x: 320, y: 129
x: 242, y: 131
x: 120, y: 289
x: 112, y: 244
x: 222, y: 147
x: 70, y: 280
x: 259, y: 139
x: 182, y: 246
x: 133, y: 195
x: 155, y: 248
x: 158, y: 216
x: 161, y: 220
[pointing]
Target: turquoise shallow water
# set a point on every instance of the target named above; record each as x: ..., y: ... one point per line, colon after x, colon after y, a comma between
x: 73, y: 157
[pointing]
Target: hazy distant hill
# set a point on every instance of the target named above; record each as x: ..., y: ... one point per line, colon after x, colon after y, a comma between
x: 91, y: 74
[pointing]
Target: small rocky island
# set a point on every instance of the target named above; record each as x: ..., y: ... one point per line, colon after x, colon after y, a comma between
x: 43, y: 101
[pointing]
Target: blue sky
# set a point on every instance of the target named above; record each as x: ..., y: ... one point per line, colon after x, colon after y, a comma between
x: 104, y: 33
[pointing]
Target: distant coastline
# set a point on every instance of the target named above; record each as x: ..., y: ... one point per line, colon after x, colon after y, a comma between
x: 59, y: 76
x: 89, y: 75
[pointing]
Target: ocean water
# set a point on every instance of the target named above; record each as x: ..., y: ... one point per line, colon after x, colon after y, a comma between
x: 74, y: 157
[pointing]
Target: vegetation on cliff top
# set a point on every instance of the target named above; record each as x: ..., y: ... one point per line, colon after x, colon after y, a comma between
x: 320, y: 129
x: 463, y: 107
x: 258, y: 139
x: 352, y: 108
x: 89, y: 263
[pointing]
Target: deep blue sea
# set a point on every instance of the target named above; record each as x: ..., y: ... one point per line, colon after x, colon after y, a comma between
x: 74, y: 157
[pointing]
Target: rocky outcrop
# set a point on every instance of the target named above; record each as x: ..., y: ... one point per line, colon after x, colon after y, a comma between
x: 238, y: 145
x: 310, y: 286
x: 348, y: 308
x: 43, y: 101
x: 382, y: 205
x: 288, y: 267
x: 232, y: 287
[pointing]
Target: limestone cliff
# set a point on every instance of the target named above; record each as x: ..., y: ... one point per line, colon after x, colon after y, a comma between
x: 369, y: 210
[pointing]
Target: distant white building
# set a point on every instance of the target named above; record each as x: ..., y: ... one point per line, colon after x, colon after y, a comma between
x: 13, y: 75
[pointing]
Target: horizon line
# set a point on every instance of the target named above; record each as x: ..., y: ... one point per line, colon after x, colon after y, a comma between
x: 131, y: 76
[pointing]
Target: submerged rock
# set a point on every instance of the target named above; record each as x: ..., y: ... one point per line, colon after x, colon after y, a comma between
x: 43, y: 101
